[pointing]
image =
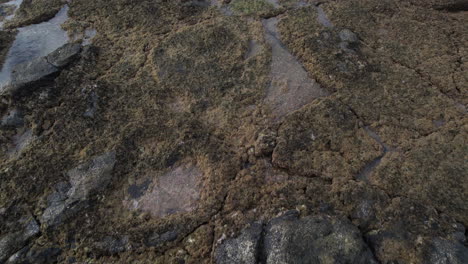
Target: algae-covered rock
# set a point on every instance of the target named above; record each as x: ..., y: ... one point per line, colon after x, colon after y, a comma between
x: 350, y: 115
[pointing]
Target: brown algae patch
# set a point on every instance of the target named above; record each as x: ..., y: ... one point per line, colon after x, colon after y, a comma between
x: 290, y: 87
x: 176, y: 191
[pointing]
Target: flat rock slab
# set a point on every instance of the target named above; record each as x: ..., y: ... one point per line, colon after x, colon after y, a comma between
x: 38, y: 69
x: 64, y: 55
x: 176, y: 191
x: 42, y: 69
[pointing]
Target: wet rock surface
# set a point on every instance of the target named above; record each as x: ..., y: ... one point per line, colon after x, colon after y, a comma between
x: 225, y: 114
x: 41, y: 70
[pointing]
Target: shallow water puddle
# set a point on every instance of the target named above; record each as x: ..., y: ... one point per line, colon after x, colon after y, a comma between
x: 35, y: 41
x: 174, y: 192
x: 290, y: 87
x: 367, y: 170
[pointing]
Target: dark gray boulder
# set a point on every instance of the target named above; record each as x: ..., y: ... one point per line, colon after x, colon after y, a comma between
x: 315, y: 239
x: 442, y: 251
x: 290, y: 239
x: 243, y: 249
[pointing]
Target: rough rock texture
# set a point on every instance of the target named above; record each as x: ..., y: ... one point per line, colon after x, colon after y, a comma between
x: 243, y: 249
x: 288, y: 239
x: 84, y: 181
x: 368, y: 127
x: 12, y: 242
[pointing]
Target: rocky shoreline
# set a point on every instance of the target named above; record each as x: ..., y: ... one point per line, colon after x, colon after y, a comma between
x: 242, y: 131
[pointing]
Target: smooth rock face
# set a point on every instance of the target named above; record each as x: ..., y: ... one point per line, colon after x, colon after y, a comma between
x: 12, y: 242
x: 85, y: 181
x: 157, y: 239
x: 289, y: 239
